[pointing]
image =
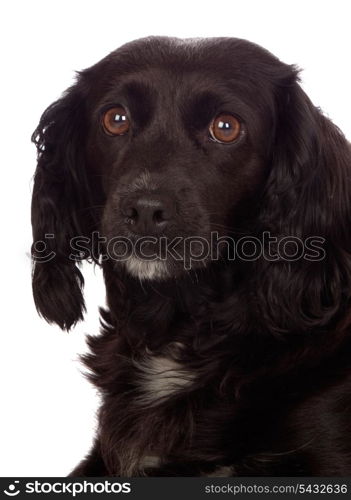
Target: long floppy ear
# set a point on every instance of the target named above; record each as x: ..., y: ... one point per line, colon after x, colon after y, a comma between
x: 308, y: 195
x: 60, y: 209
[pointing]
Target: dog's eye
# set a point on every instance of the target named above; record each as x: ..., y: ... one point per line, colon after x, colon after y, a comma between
x: 225, y: 128
x: 115, y: 121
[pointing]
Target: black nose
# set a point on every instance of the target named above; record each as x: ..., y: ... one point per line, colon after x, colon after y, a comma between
x: 147, y: 214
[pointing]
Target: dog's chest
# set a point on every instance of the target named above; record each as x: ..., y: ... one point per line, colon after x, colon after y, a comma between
x: 153, y: 422
x: 168, y: 423
x: 159, y: 377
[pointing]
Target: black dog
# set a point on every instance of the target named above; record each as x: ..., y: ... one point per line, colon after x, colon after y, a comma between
x: 217, y: 200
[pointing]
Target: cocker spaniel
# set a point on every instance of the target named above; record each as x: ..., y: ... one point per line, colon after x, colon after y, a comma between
x: 217, y: 200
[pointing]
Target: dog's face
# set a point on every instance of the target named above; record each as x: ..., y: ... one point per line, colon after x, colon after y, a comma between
x: 167, y: 146
x: 181, y: 145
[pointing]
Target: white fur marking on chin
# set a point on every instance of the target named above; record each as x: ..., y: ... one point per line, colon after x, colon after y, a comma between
x: 162, y: 377
x: 146, y: 269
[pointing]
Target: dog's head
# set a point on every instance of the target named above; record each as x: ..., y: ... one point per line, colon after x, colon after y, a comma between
x: 166, y: 146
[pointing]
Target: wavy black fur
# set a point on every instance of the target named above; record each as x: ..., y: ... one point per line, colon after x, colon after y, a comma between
x: 264, y: 346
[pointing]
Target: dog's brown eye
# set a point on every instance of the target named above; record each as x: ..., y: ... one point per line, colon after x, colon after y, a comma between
x: 116, y: 121
x: 225, y: 128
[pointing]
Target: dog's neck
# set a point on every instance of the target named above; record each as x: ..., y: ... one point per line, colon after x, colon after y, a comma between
x: 196, y: 312
x: 158, y: 307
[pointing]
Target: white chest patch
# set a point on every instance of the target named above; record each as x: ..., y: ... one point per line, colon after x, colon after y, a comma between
x: 162, y: 377
x: 222, y: 472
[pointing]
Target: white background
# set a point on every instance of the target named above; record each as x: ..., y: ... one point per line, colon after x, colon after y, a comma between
x: 47, y: 408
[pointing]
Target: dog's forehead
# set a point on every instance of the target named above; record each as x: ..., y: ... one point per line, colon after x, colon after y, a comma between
x: 199, y: 73
x: 192, y: 53
x: 167, y: 81
x: 177, y: 66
